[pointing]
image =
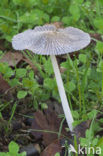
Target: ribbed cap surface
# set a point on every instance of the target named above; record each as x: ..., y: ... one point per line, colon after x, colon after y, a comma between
x: 48, y: 40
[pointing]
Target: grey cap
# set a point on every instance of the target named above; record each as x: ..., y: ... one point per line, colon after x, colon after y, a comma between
x: 50, y: 40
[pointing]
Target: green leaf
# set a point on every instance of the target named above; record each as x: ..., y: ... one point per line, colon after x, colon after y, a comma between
x: 75, y: 114
x: 21, y: 94
x: 76, y: 122
x: 48, y: 67
x: 44, y: 106
x: 66, y: 20
x: 83, y: 58
x: 89, y: 134
x: 49, y: 83
x: 100, y: 142
x: 30, y: 17
x: 14, y: 82
x: 34, y: 17
x: 45, y: 17
x: 55, y: 19
x: 94, y: 141
x: 100, y: 66
x: 70, y: 86
x: 27, y: 4
x: 101, y: 2
x: 21, y: 72
x: 28, y: 83
x: 98, y: 22
x: 3, y: 154
x: 9, y: 73
x: 55, y: 95
x: 92, y: 114
x: 79, y: 1
x: 31, y: 75
x: 83, y: 141
x: 7, y: 14
x: 57, y: 154
x: 13, y: 148
x: 4, y: 4
x: 99, y: 47
x: 45, y: 1
x: 3, y: 67
x: 1, y: 117
x: 65, y: 65
x: 75, y: 11
x: 23, y: 154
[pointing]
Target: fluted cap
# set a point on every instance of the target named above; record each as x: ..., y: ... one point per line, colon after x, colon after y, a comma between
x: 50, y: 40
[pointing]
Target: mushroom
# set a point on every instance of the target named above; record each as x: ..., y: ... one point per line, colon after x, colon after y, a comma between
x: 50, y: 40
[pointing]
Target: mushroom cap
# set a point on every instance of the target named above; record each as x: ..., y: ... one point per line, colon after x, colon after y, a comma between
x: 50, y: 40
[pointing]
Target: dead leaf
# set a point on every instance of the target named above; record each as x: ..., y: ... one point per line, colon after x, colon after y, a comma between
x: 12, y: 58
x: 96, y: 36
x: 52, y: 149
x: 80, y: 129
x: 4, y: 86
x: 47, y: 121
x: 56, y: 146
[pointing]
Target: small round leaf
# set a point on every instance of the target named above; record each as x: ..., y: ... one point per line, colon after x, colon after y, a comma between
x: 21, y: 94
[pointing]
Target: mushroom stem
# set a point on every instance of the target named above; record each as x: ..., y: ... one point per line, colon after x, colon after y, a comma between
x: 65, y: 105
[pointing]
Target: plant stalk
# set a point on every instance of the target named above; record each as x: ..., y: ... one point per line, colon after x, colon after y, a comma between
x: 65, y: 105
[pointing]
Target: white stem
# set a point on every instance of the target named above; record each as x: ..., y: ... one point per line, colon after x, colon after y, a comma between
x: 65, y: 105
